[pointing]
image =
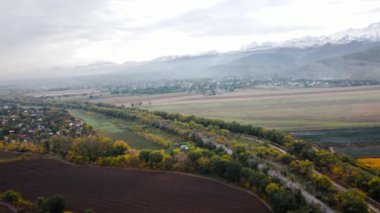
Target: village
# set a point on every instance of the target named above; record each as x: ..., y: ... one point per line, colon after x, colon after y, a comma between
x: 37, y: 124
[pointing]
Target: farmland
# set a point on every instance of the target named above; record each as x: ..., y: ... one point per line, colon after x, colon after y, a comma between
x: 286, y: 109
x: 345, y: 118
x: 370, y: 162
x: 343, y: 137
x: 356, y: 142
x: 116, y: 129
x: 213, y: 148
x: 124, y: 190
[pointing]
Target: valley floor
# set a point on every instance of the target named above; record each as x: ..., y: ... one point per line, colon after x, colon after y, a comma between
x: 286, y: 109
x: 343, y: 117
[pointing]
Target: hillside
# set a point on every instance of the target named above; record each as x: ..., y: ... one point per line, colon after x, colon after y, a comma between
x: 355, y: 60
x: 351, y: 54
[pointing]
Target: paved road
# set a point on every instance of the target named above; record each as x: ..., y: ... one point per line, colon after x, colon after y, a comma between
x: 310, y: 199
x: 373, y: 205
x: 217, y: 145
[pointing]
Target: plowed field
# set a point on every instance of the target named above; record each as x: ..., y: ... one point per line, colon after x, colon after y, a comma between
x: 123, y: 190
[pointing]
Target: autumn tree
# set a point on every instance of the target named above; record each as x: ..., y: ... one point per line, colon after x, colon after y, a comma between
x: 120, y: 147
x: 304, y: 167
x: 12, y: 196
x: 352, y: 201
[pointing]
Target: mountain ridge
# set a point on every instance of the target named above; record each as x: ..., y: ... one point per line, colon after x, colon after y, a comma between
x: 351, y: 54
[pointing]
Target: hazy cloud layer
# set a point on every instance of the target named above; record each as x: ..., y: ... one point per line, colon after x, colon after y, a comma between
x: 40, y: 34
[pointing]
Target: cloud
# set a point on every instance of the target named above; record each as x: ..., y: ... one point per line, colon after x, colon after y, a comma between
x: 371, y: 11
x: 227, y: 18
x: 41, y: 34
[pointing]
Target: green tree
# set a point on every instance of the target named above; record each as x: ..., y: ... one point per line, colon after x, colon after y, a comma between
x: 226, y: 168
x: 155, y: 158
x: 91, y: 148
x: 322, y: 182
x: 352, y: 201
x: 56, y: 204
x: 42, y: 205
x: 12, y: 196
x: 61, y: 145
x: 284, y: 200
x: 144, y: 155
x: 374, y: 188
x: 304, y: 167
x: 120, y: 147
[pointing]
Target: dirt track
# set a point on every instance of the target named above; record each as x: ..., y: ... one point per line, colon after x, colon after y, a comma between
x: 124, y: 190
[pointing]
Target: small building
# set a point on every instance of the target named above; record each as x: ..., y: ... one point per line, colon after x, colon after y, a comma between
x: 184, y: 147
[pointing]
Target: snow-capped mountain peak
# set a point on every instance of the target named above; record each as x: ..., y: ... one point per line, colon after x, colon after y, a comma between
x: 370, y: 34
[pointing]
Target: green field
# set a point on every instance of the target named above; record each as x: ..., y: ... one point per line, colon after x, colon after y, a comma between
x: 356, y: 142
x: 116, y: 129
x: 359, y: 152
x: 343, y: 137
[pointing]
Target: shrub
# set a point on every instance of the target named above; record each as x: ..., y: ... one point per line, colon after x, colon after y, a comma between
x: 12, y: 196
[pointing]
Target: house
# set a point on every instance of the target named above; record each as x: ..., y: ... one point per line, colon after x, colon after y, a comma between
x: 184, y: 147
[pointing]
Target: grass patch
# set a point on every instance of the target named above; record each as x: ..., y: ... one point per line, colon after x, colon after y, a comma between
x: 343, y: 137
x: 117, y: 129
x: 356, y: 142
x: 359, y: 152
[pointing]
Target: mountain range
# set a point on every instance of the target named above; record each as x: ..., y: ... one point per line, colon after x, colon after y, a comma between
x: 353, y: 54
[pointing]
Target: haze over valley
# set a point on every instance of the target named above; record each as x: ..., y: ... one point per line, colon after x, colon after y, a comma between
x: 190, y: 106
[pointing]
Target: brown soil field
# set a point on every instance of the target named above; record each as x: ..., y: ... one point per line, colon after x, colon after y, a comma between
x: 124, y: 190
x: 4, y: 209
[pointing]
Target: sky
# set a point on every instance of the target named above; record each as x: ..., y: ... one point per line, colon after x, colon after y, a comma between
x: 41, y: 34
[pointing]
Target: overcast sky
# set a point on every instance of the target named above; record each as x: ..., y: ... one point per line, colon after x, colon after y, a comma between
x: 38, y: 34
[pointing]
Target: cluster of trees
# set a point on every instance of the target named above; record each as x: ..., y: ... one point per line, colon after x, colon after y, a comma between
x: 148, y: 89
x: 352, y: 201
x: 54, y: 204
x: 86, y: 149
x: 22, y: 147
x: 341, y: 167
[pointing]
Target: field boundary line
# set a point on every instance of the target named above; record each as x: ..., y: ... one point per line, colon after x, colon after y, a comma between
x: 9, y: 206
